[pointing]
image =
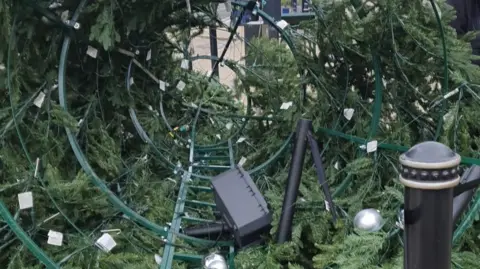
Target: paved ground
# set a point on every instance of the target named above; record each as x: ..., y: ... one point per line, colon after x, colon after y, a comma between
x: 236, y: 51
x: 222, y: 12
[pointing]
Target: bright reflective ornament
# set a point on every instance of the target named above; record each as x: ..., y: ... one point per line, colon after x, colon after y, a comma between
x: 400, y: 219
x: 215, y: 261
x: 368, y: 220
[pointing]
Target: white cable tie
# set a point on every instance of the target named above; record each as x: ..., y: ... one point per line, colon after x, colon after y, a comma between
x: 51, y: 217
x: 241, y: 139
x: 37, y: 166
x: 117, y: 231
x: 451, y: 93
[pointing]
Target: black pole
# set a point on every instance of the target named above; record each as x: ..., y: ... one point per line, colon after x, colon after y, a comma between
x: 284, y: 232
x: 461, y: 201
x: 274, y: 9
x: 429, y: 172
x: 213, y: 45
x: 214, y: 230
x: 213, y: 49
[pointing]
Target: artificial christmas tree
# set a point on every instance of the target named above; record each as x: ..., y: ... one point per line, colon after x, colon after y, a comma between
x: 93, y: 161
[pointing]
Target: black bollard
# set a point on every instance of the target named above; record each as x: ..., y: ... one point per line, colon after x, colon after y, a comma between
x: 293, y: 181
x: 429, y: 172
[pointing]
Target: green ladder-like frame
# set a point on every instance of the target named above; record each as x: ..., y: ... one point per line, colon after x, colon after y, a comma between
x: 114, y: 200
x: 181, y: 214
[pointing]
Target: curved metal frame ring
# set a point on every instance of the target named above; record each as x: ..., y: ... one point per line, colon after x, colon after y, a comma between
x: 143, y: 134
x: 79, y: 154
x: 166, y: 121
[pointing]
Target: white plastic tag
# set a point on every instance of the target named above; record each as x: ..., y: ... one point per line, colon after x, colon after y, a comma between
x: 92, y: 52
x: 55, y: 238
x: 348, y: 113
x: 25, y: 200
x: 184, y: 64
x: 282, y: 24
x: 337, y: 165
x: 218, y: 136
x: 181, y: 85
x: 241, y: 139
x: 39, y: 100
x: 131, y: 81
x: 158, y: 259
x: 149, y: 55
x: 106, y: 242
x: 242, y: 161
x: 372, y: 146
x: 229, y: 125
x: 327, y: 205
x: 163, y: 85
x: 286, y: 105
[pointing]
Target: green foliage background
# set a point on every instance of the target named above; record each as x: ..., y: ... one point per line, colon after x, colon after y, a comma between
x: 351, y: 52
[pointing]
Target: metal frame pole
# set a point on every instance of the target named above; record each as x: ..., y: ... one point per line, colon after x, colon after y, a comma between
x: 293, y: 181
x: 213, y: 45
x: 429, y: 172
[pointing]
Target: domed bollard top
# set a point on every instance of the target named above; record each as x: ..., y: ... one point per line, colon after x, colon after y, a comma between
x: 430, y: 166
x: 429, y: 172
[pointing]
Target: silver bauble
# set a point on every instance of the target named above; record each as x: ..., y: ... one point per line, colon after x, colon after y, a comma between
x: 215, y: 261
x: 368, y: 220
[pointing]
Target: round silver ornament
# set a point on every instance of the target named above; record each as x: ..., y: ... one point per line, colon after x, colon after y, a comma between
x: 368, y: 220
x: 215, y: 261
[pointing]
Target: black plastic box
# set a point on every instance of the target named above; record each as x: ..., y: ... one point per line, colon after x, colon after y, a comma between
x: 241, y: 206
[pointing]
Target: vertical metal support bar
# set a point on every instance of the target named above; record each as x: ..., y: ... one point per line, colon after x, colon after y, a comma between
x: 250, y: 32
x: 294, y: 5
x: 213, y: 45
x: 461, y: 201
x: 305, y: 6
x: 429, y: 172
x: 293, y: 181
x: 274, y: 9
x: 213, y: 49
x: 230, y: 153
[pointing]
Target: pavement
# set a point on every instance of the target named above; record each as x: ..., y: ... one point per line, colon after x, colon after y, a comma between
x: 236, y: 51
